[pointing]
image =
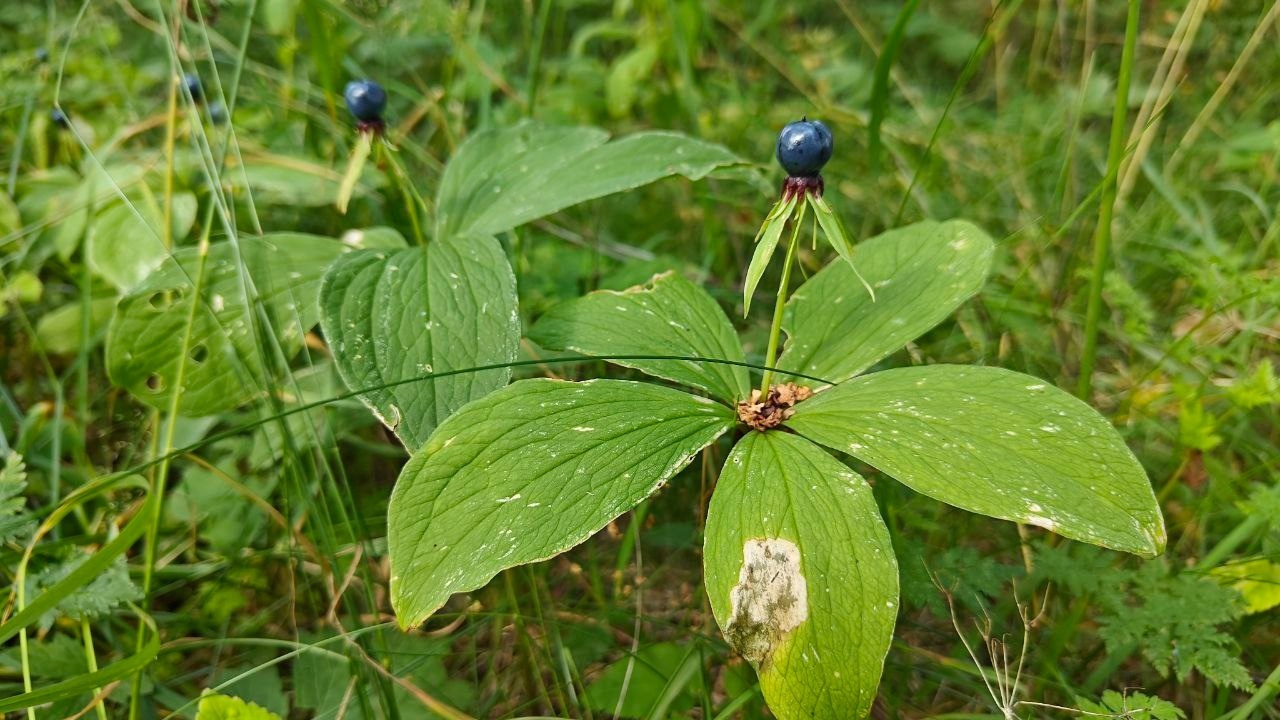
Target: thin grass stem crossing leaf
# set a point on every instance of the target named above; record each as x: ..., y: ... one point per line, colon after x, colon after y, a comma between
x: 390, y: 316
x: 504, y: 177
x: 801, y: 576
x: 127, y: 238
x: 667, y: 316
x: 226, y: 356
x: 527, y: 473
x: 994, y: 442
x: 921, y: 273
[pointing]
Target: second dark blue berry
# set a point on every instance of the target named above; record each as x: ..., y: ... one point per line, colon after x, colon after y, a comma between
x: 804, y: 147
x: 192, y: 81
x: 366, y: 100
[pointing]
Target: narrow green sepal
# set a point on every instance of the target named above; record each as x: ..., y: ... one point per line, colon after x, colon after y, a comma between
x: 834, y: 230
x: 766, y: 242
x: 359, y: 155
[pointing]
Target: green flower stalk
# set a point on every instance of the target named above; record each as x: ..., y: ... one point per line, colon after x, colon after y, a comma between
x: 804, y: 147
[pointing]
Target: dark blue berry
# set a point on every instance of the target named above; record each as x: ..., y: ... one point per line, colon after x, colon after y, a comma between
x: 804, y: 147
x: 366, y: 100
x: 42, y: 55
x: 192, y: 81
x: 59, y: 118
x: 218, y: 113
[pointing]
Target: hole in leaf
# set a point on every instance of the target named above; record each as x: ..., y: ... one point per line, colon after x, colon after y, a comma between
x: 155, y: 383
x: 164, y: 299
x: 199, y: 353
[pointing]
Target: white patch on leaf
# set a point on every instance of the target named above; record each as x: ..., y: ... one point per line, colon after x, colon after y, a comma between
x: 770, y: 600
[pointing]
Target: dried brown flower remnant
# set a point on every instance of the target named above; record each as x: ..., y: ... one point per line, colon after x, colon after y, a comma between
x: 769, y: 411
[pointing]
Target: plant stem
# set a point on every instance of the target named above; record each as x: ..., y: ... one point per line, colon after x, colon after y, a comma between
x: 1102, y: 235
x: 91, y: 659
x: 775, y: 331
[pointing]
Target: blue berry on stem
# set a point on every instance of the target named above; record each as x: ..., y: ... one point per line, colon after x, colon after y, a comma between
x: 804, y: 147
x: 192, y: 81
x: 366, y: 100
x: 218, y: 113
x: 42, y: 55
x: 59, y: 118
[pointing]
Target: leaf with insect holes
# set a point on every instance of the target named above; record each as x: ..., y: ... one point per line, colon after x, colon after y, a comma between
x: 766, y: 243
x: 994, y: 442
x: 391, y: 316
x: 801, y: 575
x: 528, y: 472
x: 667, y: 316
x: 921, y: 273
x: 505, y: 177
x: 223, y: 362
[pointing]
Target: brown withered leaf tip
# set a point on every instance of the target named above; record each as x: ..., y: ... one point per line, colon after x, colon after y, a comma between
x: 762, y: 413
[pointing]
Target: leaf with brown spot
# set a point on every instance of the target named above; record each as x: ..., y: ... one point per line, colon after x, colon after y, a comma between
x: 801, y: 575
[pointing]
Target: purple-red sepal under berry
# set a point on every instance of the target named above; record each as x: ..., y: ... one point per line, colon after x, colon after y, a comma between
x: 802, y: 185
x: 375, y: 127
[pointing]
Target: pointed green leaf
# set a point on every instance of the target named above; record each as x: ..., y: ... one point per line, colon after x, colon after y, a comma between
x: 667, y: 316
x: 801, y: 576
x: 994, y: 442
x: 839, y: 239
x: 921, y: 273
x: 527, y: 473
x: 359, y: 155
x: 391, y: 316
x: 224, y: 356
x: 766, y: 243
x: 503, y: 178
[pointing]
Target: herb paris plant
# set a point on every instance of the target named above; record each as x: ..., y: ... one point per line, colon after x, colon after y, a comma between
x: 800, y: 571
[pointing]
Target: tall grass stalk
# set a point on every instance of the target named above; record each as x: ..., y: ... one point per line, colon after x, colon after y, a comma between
x: 1102, y: 235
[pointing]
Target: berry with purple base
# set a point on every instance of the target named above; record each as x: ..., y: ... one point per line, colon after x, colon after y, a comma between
x: 804, y: 147
x: 366, y: 100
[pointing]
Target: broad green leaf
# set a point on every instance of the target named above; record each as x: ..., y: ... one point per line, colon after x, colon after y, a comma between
x: 801, y: 576
x: 1257, y: 581
x: 128, y: 239
x: 394, y: 316
x: 641, y: 680
x: 224, y: 355
x: 668, y: 316
x: 921, y: 273
x: 502, y: 178
x: 224, y: 707
x: 527, y: 473
x: 994, y: 442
